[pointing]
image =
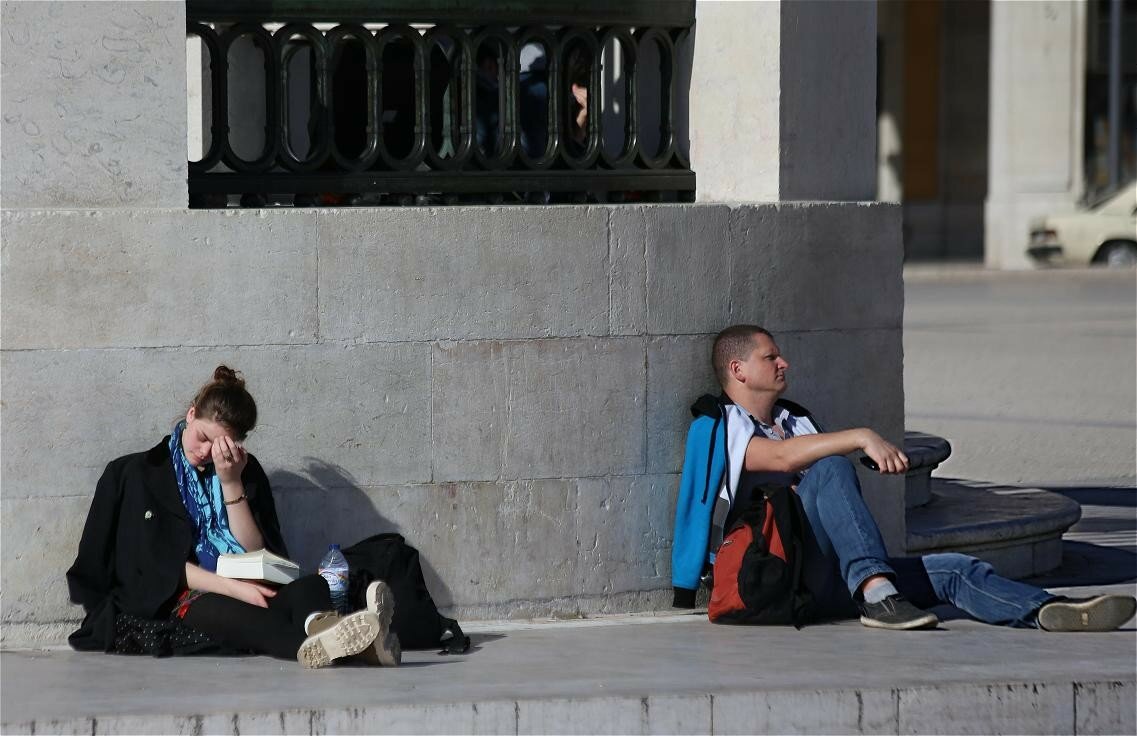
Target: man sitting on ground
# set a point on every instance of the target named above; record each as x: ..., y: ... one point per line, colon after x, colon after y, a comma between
x: 750, y: 437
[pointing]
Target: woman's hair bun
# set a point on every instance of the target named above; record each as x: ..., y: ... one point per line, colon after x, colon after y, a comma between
x: 225, y: 374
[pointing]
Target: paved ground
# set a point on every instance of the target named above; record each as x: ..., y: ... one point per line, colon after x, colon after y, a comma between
x: 1031, y: 376
x: 675, y: 674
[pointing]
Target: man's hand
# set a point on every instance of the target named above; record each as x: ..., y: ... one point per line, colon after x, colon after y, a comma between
x: 888, y: 457
x: 249, y: 592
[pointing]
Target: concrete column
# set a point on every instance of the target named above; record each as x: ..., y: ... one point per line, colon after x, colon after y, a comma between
x: 94, y: 100
x: 1037, y: 100
x: 782, y: 100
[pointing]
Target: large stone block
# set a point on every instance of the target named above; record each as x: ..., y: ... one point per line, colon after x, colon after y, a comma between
x: 688, y: 268
x: 474, y: 273
x: 94, y: 104
x: 627, y: 277
x: 470, y: 400
x: 678, y: 372
x: 580, y: 716
x: 1105, y: 707
x: 360, y: 408
x: 131, y: 278
x: 805, y: 711
x: 39, y: 542
x: 1042, y: 708
x: 576, y: 408
x: 828, y: 117
x: 825, y: 266
x: 734, y: 128
x: 538, y: 408
x: 526, y: 546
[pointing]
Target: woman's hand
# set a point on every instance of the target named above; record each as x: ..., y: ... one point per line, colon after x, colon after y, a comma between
x: 249, y: 592
x: 887, y: 456
x: 229, y: 459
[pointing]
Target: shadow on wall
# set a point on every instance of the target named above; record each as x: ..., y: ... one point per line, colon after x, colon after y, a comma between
x: 323, y: 505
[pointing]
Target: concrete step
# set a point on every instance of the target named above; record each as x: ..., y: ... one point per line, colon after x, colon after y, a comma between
x: 1018, y: 530
x: 627, y: 674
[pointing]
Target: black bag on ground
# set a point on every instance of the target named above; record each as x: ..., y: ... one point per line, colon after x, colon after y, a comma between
x: 417, y: 622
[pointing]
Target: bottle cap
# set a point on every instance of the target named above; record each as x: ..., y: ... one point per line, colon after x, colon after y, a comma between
x: 333, y: 546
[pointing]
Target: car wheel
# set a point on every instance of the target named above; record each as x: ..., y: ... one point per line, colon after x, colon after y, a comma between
x: 1119, y: 255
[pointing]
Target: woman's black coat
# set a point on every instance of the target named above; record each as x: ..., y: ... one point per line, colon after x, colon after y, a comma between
x: 137, y: 539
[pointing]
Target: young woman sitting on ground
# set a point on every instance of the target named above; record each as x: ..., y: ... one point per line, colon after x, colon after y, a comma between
x: 145, y: 571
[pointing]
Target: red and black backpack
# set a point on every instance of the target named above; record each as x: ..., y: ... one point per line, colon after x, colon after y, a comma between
x: 758, y: 566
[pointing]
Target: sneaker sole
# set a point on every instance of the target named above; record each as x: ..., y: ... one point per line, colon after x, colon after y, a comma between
x: 1104, y: 613
x: 350, y: 635
x: 924, y: 622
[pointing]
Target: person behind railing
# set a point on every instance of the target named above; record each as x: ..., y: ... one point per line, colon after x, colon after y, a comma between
x: 159, y: 520
x: 578, y: 69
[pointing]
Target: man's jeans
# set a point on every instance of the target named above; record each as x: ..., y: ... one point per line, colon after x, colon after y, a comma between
x: 843, y: 548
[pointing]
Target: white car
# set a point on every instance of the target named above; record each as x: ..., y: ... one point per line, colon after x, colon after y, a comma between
x: 1103, y: 234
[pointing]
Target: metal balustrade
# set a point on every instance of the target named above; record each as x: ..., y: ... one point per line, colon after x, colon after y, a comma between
x: 386, y: 101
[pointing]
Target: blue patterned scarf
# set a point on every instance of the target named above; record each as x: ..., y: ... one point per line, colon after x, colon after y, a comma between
x: 202, y: 497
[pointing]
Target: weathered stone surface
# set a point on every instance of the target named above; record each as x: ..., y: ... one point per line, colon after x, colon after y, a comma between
x: 470, y: 399
x: 805, y: 711
x: 817, y: 266
x: 137, y: 278
x: 1105, y: 707
x: 580, y: 716
x: 678, y: 714
x: 627, y: 277
x: 576, y: 408
x: 476, y: 272
x: 94, y: 104
x: 362, y: 409
x: 688, y: 268
x: 555, y: 539
x: 678, y: 371
x: 997, y: 708
x: 40, y: 538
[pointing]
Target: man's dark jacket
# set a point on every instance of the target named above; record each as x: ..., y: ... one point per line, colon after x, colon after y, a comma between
x: 137, y: 539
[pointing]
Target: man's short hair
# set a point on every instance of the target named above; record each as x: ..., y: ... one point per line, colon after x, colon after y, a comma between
x: 734, y: 343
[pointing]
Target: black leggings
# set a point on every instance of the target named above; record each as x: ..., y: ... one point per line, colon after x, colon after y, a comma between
x: 277, y: 630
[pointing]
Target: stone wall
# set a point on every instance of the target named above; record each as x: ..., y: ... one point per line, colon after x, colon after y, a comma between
x: 505, y: 386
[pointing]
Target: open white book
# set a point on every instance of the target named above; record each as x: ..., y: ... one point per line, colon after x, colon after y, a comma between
x: 259, y: 565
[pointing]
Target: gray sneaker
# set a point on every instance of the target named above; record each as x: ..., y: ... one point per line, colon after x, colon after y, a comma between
x: 895, y: 612
x: 1099, y: 613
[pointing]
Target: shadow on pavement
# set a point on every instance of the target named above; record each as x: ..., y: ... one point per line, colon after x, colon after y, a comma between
x: 1101, y: 549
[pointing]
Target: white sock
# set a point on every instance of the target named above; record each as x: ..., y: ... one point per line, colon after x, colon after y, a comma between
x: 880, y: 591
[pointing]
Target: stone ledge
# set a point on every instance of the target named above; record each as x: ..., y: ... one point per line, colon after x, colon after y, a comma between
x: 1018, y: 530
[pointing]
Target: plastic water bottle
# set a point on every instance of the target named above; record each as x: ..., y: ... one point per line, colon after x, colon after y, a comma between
x: 333, y: 568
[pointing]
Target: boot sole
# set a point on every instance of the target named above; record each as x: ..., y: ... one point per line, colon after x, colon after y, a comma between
x: 381, y: 601
x: 929, y: 621
x: 1104, y: 613
x: 387, y: 651
x: 350, y: 635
